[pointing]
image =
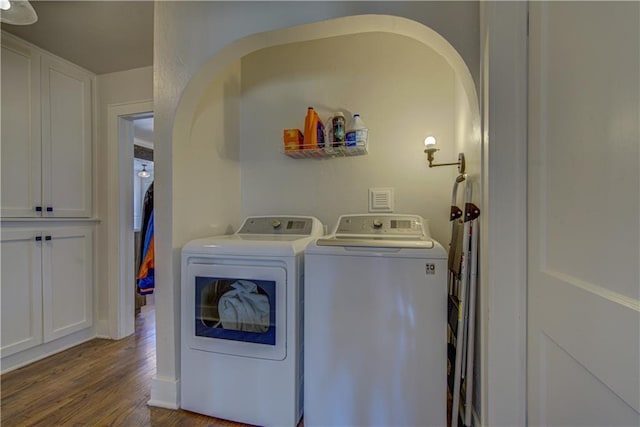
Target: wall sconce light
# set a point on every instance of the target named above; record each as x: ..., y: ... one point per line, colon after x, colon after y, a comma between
x: 144, y: 173
x: 432, y: 147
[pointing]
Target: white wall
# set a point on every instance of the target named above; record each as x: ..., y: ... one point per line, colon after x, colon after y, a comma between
x: 187, y: 34
x: 115, y: 88
x: 403, y: 91
x: 467, y: 137
x: 206, y: 167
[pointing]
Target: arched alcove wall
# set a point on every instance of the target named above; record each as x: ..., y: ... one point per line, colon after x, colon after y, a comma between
x: 216, y: 91
x: 403, y: 90
x: 404, y: 78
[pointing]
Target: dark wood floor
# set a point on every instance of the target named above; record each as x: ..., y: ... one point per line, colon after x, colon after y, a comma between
x: 98, y: 383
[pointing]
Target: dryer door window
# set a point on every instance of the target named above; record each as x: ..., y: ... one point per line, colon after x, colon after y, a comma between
x: 237, y: 309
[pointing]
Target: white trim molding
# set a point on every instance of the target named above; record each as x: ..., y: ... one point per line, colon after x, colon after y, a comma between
x: 119, y: 215
x: 165, y: 393
x: 504, y: 227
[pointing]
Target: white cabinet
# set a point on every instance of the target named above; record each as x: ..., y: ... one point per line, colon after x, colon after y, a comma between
x: 47, y: 286
x: 67, y: 271
x: 20, y: 121
x: 21, y: 292
x: 46, y: 134
x: 66, y: 140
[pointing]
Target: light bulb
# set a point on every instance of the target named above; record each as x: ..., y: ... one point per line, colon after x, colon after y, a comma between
x: 430, y: 140
x: 144, y: 173
x: 5, y: 4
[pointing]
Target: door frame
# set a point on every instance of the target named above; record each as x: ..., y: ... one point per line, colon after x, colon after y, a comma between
x: 120, y: 234
x: 504, y: 95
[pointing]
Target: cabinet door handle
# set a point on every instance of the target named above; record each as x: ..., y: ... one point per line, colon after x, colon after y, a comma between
x: 38, y: 208
x: 47, y: 238
x: 49, y: 208
x: 38, y: 238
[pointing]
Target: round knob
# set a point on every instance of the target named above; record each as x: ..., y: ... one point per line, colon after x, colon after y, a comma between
x: 377, y: 223
x: 276, y: 223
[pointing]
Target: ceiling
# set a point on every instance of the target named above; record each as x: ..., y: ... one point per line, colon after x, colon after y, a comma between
x: 101, y: 36
x: 143, y: 131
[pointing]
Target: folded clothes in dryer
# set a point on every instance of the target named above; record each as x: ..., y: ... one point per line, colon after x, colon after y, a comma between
x: 244, y: 309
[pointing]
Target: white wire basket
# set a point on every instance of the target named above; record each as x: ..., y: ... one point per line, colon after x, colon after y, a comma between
x: 313, y: 152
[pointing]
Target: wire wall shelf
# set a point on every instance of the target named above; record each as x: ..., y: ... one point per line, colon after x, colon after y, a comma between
x: 326, y: 152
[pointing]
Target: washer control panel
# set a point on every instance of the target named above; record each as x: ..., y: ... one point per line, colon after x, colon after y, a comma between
x: 403, y: 226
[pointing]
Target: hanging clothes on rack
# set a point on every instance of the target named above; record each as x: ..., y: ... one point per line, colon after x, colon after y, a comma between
x: 147, y: 208
x: 145, y: 276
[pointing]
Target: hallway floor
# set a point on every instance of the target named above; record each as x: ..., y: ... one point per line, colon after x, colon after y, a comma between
x: 98, y: 383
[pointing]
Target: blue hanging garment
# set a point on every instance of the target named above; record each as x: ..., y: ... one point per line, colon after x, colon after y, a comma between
x: 146, y: 277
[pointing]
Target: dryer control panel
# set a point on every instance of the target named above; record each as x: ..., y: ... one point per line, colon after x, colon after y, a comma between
x: 277, y: 225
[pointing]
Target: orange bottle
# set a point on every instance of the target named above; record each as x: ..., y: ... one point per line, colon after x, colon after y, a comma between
x: 313, y: 131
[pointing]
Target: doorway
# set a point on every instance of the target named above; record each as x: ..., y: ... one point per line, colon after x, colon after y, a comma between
x: 120, y: 228
x: 142, y: 193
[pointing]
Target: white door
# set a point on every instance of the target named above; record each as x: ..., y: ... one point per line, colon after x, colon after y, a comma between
x: 21, y: 290
x: 67, y: 281
x: 584, y: 214
x: 20, y: 73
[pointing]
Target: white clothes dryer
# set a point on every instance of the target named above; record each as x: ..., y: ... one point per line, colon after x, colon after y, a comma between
x: 375, y: 324
x: 242, y: 311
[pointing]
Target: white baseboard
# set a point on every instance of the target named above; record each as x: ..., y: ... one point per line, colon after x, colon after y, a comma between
x: 26, y: 357
x: 102, y: 329
x: 165, y: 393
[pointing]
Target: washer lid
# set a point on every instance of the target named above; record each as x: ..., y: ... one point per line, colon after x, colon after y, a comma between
x: 380, y: 234
x: 426, y: 249
x: 374, y: 242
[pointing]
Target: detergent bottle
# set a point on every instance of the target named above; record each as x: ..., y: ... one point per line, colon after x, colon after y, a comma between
x: 357, y: 133
x: 313, y: 131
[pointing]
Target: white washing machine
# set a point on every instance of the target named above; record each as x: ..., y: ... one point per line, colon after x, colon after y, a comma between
x: 241, y: 357
x: 375, y: 325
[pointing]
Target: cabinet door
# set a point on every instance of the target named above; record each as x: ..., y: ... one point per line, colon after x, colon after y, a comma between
x: 20, y: 124
x: 21, y: 291
x: 67, y: 285
x: 66, y: 140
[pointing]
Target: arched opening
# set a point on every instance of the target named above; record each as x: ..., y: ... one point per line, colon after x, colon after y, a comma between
x: 219, y: 165
x: 405, y: 78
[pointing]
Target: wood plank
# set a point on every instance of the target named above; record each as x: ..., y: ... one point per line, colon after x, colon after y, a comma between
x: 98, y: 383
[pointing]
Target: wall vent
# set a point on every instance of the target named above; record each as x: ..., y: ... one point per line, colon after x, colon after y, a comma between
x: 381, y: 200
